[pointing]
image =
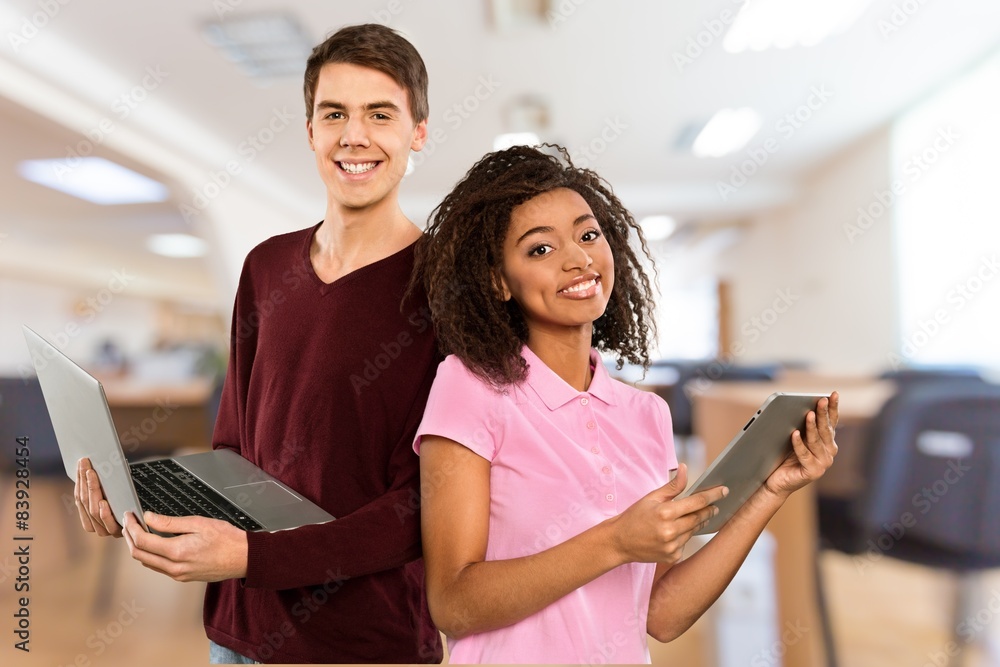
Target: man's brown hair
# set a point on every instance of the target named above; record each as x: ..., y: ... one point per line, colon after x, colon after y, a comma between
x: 377, y: 47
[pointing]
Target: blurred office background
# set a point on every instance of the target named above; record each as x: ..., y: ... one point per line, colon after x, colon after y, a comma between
x: 817, y: 182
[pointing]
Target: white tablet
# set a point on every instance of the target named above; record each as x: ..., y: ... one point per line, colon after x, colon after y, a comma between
x: 756, y: 451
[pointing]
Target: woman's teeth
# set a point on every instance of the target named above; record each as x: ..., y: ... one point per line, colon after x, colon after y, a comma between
x: 579, y: 287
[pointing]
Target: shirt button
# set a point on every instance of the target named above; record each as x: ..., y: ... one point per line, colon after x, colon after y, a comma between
x: 610, y: 497
x: 595, y: 450
x: 591, y: 425
x: 606, y: 470
x: 584, y: 400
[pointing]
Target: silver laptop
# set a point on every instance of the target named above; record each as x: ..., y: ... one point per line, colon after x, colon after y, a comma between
x: 219, y: 484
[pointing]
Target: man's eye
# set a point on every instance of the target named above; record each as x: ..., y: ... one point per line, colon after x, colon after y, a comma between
x: 335, y: 115
x: 381, y: 116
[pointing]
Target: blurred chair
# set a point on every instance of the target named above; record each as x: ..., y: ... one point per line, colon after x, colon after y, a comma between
x: 23, y: 413
x: 932, y: 483
x: 931, y: 373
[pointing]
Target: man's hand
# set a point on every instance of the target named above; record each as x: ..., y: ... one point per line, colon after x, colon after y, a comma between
x: 95, y: 512
x: 202, y: 549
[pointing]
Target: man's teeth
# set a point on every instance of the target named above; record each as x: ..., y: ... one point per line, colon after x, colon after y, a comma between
x: 357, y: 168
x: 579, y: 287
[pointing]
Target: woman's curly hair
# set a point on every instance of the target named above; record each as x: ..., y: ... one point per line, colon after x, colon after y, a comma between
x: 460, y: 256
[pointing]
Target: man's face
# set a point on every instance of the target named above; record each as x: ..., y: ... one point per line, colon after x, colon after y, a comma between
x: 362, y: 132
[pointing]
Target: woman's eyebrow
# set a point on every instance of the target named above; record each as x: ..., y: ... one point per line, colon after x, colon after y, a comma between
x: 543, y: 229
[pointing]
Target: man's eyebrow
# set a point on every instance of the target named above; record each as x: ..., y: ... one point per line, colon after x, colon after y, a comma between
x: 543, y: 229
x: 370, y: 106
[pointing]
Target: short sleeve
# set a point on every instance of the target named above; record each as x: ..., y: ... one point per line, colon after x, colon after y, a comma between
x: 666, y: 431
x: 463, y: 408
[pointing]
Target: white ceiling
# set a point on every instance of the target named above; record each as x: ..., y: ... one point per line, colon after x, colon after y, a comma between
x: 601, y: 64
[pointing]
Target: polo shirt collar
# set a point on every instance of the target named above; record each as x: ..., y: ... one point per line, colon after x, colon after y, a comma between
x: 556, y: 392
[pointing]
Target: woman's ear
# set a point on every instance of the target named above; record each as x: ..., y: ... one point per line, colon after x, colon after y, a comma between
x: 500, y: 287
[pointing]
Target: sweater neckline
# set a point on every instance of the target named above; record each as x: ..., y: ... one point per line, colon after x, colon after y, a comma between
x: 324, y: 287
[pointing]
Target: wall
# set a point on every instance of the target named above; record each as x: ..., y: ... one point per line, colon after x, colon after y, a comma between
x: 806, y: 286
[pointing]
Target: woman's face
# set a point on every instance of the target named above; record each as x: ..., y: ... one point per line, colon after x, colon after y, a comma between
x: 557, y: 264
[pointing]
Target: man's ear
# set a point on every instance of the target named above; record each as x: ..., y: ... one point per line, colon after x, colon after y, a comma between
x: 309, y: 133
x: 419, y: 136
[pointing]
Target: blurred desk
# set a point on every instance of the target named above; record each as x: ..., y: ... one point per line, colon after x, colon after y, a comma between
x: 720, y: 411
x: 156, y: 418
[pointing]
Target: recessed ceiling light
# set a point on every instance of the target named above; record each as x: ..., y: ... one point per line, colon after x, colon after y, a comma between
x: 264, y: 46
x: 657, y: 227
x: 177, y: 245
x: 781, y: 24
x: 728, y: 131
x: 94, y: 179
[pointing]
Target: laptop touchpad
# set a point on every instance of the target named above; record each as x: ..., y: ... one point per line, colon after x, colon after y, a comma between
x: 260, y: 495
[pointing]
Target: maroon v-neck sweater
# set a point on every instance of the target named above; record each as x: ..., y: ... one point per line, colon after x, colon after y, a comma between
x: 325, y: 388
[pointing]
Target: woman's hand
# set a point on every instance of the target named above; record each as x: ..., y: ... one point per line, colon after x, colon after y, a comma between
x: 656, y: 527
x: 811, y: 456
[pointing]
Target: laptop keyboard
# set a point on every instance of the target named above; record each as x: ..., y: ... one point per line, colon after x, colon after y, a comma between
x: 164, y: 487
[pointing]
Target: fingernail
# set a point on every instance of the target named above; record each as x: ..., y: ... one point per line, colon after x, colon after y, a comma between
x: 725, y: 491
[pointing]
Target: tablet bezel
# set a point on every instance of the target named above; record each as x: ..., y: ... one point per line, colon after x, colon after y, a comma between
x: 754, y: 453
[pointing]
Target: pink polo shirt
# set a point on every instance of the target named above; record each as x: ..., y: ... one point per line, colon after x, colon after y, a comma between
x: 561, y: 461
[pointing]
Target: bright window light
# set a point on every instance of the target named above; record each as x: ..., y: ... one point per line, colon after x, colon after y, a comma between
x: 177, y: 245
x: 782, y: 24
x: 511, y: 139
x: 728, y: 131
x: 95, y: 180
x: 657, y: 227
x: 943, y: 208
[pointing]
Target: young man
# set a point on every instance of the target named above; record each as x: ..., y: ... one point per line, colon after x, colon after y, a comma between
x: 327, y: 381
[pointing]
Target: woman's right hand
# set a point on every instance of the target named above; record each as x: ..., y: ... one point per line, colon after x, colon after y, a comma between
x: 95, y: 512
x: 656, y: 527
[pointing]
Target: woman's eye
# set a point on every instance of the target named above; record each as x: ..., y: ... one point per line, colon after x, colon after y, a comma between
x: 539, y: 251
x: 591, y: 235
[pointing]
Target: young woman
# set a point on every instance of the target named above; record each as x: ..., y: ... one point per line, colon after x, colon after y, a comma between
x: 550, y: 532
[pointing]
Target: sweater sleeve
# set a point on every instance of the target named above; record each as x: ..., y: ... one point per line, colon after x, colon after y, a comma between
x: 227, y: 432
x: 382, y: 535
